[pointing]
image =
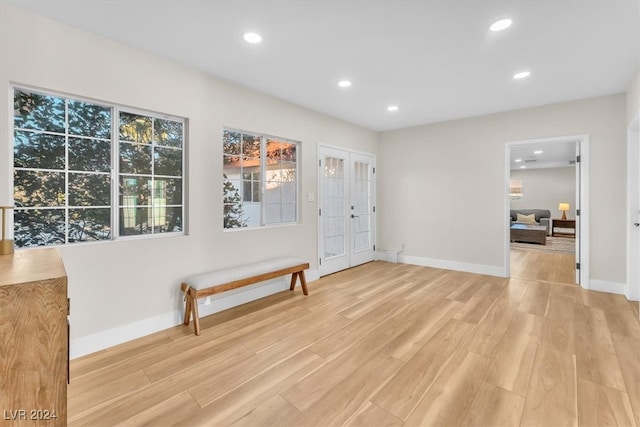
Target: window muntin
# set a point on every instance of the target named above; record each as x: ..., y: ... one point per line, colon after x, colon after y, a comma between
x: 65, y: 170
x: 281, y: 189
x: 150, y: 176
x: 259, y: 180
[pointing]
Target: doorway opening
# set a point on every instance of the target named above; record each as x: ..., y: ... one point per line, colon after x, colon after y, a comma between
x: 346, y: 209
x: 546, y: 209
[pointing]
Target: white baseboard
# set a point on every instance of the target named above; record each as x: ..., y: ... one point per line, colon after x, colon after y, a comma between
x: 606, y: 286
x: 82, y: 346
x: 452, y: 265
x: 111, y: 337
x: 388, y: 256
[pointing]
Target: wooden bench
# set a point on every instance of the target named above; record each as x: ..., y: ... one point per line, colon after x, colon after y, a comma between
x: 215, y: 282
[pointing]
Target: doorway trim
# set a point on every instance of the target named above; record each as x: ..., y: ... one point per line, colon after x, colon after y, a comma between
x: 583, y: 143
x: 632, y: 285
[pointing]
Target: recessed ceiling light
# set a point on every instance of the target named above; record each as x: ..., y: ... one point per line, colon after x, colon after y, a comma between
x: 521, y: 75
x: 392, y: 108
x: 517, y: 160
x: 537, y: 152
x: 344, y: 83
x: 500, y: 25
x: 252, y: 38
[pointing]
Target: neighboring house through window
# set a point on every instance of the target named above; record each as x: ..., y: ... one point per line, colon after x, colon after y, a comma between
x: 259, y: 180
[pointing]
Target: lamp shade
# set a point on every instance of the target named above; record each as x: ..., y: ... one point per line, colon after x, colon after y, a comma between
x: 563, y: 207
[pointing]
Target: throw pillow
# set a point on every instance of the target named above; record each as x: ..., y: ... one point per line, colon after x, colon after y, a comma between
x: 527, y: 219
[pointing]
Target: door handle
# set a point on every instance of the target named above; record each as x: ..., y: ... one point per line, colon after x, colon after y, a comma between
x: 354, y: 216
x: 637, y: 224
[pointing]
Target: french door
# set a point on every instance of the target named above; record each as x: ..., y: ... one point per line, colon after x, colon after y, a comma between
x: 346, y: 209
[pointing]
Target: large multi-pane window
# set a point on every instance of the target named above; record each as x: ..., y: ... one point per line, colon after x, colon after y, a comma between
x: 259, y: 180
x: 85, y: 171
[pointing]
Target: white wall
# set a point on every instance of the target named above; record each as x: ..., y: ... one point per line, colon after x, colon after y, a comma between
x: 545, y: 188
x: 633, y: 98
x: 120, y: 290
x: 441, y: 186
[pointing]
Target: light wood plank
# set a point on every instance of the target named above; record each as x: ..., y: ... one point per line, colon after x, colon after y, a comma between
x: 561, y: 308
x: 306, y: 392
x: 478, y: 305
x: 489, y: 332
x: 595, y: 354
x: 552, y: 395
x: 539, y: 265
x: 494, y: 406
x: 354, y: 331
x: 513, y: 360
x: 535, y: 299
x: 113, y: 409
x: 467, y: 285
x: 627, y: 353
x: 407, y: 344
x: 85, y: 398
x: 170, y: 412
x: 221, y: 382
x: 274, y: 412
x: 602, y: 406
x: 403, y: 392
x: 351, y: 394
x: 623, y: 322
x: 516, y: 288
x: 251, y: 395
x: 372, y: 415
x: 105, y: 358
x: 560, y: 335
x: 448, y: 401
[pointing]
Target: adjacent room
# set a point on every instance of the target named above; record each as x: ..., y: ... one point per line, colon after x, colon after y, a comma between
x: 542, y: 237
x: 296, y: 213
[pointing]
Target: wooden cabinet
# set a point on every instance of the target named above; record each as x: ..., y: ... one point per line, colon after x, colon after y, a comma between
x: 34, y: 339
x: 568, y: 227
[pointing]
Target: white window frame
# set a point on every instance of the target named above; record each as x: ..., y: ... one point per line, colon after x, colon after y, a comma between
x: 263, y: 169
x: 114, y: 172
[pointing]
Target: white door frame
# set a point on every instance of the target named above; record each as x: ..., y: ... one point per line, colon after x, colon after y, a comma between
x: 582, y: 223
x: 320, y: 243
x: 632, y: 285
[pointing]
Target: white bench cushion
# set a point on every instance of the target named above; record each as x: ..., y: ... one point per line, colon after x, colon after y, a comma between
x: 220, y: 277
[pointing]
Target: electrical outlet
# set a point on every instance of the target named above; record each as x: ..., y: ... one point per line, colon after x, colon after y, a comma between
x: 207, y: 301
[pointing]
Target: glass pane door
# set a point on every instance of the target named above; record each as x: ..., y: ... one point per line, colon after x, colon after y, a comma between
x: 346, y: 210
x: 334, y: 212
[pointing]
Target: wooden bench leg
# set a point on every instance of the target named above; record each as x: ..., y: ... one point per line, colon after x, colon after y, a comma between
x: 187, y: 309
x: 196, y: 316
x: 303, y: 282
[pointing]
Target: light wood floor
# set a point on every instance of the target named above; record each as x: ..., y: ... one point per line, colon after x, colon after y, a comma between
x: 533, y: 264
x: 380, y: 345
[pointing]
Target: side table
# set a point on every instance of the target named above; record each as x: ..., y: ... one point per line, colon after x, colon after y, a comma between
x: 564, y: 224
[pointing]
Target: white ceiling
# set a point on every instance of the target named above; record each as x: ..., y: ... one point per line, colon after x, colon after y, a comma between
x: 556, y: 154
x: 436, y: 60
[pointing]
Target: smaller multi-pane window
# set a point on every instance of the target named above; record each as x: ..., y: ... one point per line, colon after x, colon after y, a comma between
x: 259, y: 180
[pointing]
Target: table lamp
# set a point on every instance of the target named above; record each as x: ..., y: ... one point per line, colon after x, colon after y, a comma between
x: 6, y: 245
x: 564, y: 207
